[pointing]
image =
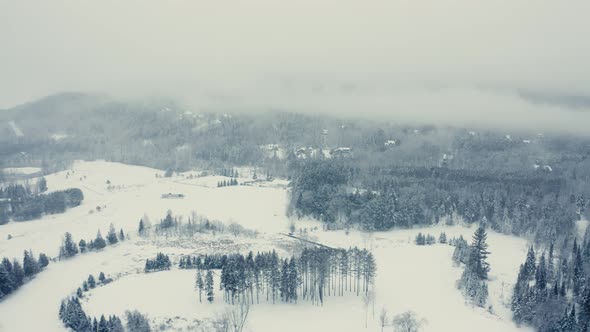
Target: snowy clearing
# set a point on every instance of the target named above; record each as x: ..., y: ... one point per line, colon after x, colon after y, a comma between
x: 409, y: 277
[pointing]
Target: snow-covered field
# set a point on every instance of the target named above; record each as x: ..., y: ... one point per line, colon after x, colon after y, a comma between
x: 21, y: 170
x: 410, y: 277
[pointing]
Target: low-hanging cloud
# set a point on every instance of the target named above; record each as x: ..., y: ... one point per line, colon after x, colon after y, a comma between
x: 450, y: 61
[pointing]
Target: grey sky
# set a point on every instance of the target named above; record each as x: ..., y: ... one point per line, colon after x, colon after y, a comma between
x: 447, y: 60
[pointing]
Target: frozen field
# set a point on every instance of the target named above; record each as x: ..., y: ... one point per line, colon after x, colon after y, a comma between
x: 409, y: 277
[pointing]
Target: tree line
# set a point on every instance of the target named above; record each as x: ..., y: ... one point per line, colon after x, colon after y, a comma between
x: 160, y: 263
x: 14, y: 274
x: 19, y: 203
x: 69, y: 248
x: 552, y: 290
x: 73, y: 316
x: 347, y: 193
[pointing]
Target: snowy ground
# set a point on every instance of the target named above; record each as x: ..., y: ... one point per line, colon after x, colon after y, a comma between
x: 21, y: 170
x: 409, y: 277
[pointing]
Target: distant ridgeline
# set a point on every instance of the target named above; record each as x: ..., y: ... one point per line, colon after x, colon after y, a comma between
x: 21, y: 203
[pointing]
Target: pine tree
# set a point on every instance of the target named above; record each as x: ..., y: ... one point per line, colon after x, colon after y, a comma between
x: 199, y: 284
x: 284, y: 283
x: 209, y: 286
x: 69, y: 247
x: 479, y: 253
x: 79, y: 292
x: 91, y: 281
x: 293, y: 280
x: 99, y: 241
x: 506, y: 222
x: 42, y: 185
x: 82, y: 246
x: 141, y: 229
x: 121, y: 235
x: 541, y: 277
x: 584, y: 309
x: 43, y: 260
x: 102, y: 325
x: 30, y: 265
x: 578, y: 272
x: 550, y: 266
x: 62, y: 310
x: 18, y: 274
x: 529, y: 265
x: 112, y: 235
x: 6, y: 282
x: 101, y: 277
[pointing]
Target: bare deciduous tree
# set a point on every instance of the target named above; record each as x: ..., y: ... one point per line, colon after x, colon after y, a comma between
x: 407, y: 322
x: 234, y: 318
x: 383, y: 319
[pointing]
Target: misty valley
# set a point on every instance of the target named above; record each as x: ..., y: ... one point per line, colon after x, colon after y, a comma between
x: 237, y: 220
x: 294, y: 166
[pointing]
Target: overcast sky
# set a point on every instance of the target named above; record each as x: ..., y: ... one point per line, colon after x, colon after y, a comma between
x: 459, y: 61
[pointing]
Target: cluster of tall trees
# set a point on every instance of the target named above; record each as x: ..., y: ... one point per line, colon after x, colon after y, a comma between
x: 73, y: 316
x: 317, y: 273
x: 20, y: 203
x: 70, y: 248
x: 161, y: 262
x: 473, y: 281
x: 425, y: 239
x: 14, y: 274
x: 203, y: 262
x: 226, y: 183
x: 205, y: 286
x: 552, y: 291
x: 229, y: 172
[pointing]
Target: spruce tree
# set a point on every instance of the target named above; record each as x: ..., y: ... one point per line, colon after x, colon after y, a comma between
x: 550, y: 266
x: 541, y: 277
x: 99, y: 241
x: 43, y: 260
x: 69, y: 247
x: 6, y: 282
x: 18, y: 274
x: 209, y: 286
x: 42, y: 185
x: 293, y: 280
x: 91, y: 281
x: 102, y: 325
x: 82, y: 246
x: 112, y: 235
x: 578, y: 272
x: 530, y: 265
x: 30, y: 265
x: 479, y: 253
x: 141, y: 228
x: 199, y: 284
